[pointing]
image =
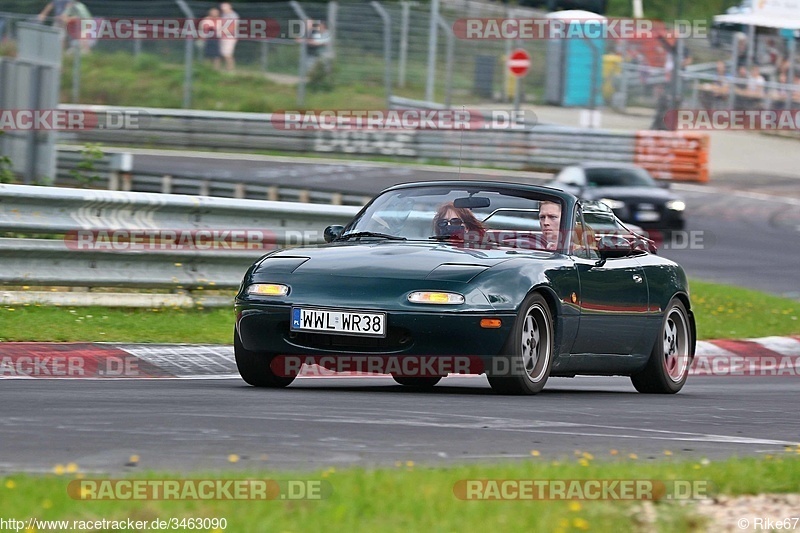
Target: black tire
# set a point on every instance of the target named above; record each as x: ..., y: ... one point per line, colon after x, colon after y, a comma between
x: 528, y: 353
x: 254, y: 367
x: 668, y: 366
x: 417, y: 382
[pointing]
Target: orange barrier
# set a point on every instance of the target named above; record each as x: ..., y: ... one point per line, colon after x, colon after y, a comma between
x: 673, y: 155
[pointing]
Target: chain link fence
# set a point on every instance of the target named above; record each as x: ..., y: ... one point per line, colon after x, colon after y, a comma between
x: 469, y: 72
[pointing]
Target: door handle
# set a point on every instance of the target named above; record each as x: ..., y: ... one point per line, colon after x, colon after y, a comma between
x: 637, y: 278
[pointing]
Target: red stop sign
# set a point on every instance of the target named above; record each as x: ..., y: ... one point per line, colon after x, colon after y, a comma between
x: 519, y: 62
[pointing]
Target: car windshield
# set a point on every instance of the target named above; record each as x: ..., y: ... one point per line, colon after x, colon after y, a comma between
x: 429, y: 213
x: 619, y: 177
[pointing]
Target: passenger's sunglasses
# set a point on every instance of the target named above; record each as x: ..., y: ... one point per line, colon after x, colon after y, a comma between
x: 450, y: 222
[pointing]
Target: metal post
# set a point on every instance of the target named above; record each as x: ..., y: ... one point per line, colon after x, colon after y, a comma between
x: 677, y: 69
x: 751, y: 46
x: 792, y: 45
x: 432, y: 44
x: 333, y: 12
x: 517, y: 87
x: 448, y: 77
x: 76, y: 71
x: 301, y: 68
x: 33, y: 146
x: 188, y: 58
x: 735, y: 72
x: 506, y: 73
x: 387, y: 49
x: 137, y: 47
x: 624, y: 80
x: 593, y: 79
x: 404, y: 16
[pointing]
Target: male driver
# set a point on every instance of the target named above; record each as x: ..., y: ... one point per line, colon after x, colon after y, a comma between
x: 550, y: 221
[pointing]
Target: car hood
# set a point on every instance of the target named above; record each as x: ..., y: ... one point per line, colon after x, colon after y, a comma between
x: 386, y: 259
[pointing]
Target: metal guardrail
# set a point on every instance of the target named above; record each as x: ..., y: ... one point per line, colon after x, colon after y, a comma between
x: 114, y: 171
x: 59, y: 212
x: 540, y: 147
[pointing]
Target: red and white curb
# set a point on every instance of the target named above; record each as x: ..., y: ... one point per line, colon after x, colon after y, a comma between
x: 767, y: 356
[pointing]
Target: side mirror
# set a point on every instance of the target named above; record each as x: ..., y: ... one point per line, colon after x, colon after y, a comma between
x: 332, y: 233
x: 664, y: 184
x: 614, y: 246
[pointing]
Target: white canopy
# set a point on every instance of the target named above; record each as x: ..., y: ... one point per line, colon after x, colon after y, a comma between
x: 754, y: 19
x: 767, y: 14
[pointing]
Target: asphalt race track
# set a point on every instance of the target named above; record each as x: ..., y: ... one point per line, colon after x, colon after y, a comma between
x: 744, y: 230
x: 747, y: 235
x: 339, y: 422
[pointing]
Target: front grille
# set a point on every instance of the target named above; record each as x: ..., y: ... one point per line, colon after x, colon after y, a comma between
x: 396, y: 339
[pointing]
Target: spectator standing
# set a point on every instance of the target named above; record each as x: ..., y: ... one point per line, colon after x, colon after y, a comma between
x: 75, y: 12
x: 228, y: 44
x: 780, y: 93
x: 318, y: 39
x: 58, y: 9
x: 722, y: 76
x: 742, y: 78
x: 210, y: 29
x: 755, y: 82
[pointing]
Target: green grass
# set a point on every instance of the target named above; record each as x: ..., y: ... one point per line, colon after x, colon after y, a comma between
x: 148, y: 81
x: 410, y: 497
x: 724, y: 311
x: 101, y: 324
x: 721, y: 311
x: 118, y: 78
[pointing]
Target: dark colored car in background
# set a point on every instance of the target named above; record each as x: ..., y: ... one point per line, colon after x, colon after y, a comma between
x: 629, y: 190
x: 392, y: 285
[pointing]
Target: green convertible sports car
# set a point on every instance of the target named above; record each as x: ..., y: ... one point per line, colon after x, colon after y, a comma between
x: 519, y: 282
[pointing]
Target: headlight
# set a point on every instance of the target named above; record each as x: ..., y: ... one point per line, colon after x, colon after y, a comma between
x: 268, y: 289
x: 429, y: 297
x: 676, y: 205
x: 613, y: 204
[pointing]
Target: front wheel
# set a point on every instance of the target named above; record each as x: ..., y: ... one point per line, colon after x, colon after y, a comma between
x: 668, y: 366
x: 528, y: 353
x: 254, y: 367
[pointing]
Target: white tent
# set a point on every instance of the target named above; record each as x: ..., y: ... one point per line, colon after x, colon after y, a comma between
x: 767, y: 14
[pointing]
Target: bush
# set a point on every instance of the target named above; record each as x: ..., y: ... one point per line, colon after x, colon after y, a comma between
x: 320, y: 76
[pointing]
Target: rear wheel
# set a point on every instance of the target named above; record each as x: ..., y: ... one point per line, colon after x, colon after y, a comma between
x: 417, y: 382
x: 668, y: 366
x: 254, y: 367
x: 528, y: 354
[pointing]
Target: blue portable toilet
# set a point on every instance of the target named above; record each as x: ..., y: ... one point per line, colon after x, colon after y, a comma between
x: 575, y: 64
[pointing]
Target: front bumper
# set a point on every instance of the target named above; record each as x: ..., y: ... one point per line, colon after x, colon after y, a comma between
x: 265, y: 328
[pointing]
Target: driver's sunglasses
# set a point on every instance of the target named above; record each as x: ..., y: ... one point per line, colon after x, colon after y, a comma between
x: 450, y: 222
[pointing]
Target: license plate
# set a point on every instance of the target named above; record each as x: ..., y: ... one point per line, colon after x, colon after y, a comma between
x: 648, y: 216
x: 339, y: 321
